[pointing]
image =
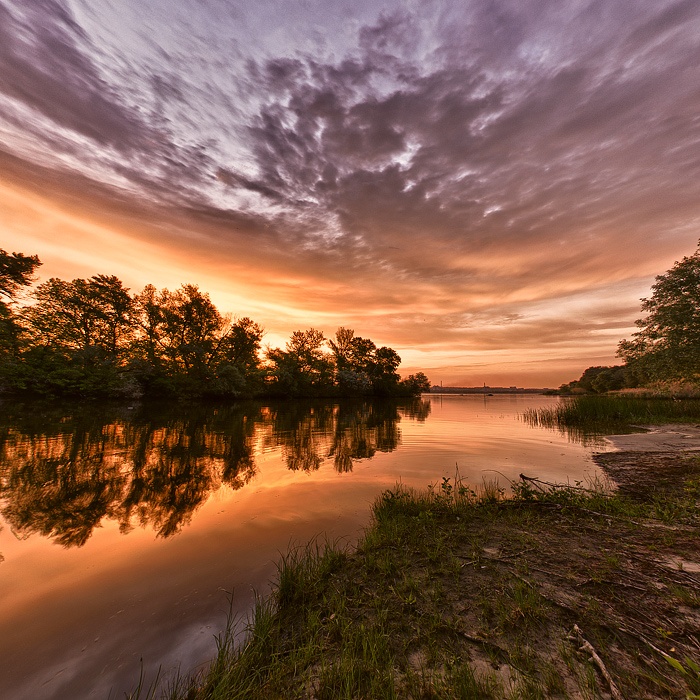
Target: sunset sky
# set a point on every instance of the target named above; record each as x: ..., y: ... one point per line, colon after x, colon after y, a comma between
x: 488, y: 186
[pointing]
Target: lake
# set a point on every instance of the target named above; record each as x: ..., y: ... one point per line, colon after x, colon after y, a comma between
x: 127, y: 533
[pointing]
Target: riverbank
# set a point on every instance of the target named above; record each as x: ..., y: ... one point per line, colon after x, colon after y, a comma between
x: 555, y: 593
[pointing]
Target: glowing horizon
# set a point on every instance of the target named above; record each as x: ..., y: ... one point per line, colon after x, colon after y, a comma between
x: 488, y: 193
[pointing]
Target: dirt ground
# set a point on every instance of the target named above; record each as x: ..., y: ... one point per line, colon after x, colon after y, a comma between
x: 659, y: 438
x: 656, y: 462
x: 578, y: 600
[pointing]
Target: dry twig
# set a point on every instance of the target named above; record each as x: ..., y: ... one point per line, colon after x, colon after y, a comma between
x: 586, y: 646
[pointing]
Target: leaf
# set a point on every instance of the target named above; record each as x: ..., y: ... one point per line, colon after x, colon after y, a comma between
x: 676, y: 664
x: 692, y: 666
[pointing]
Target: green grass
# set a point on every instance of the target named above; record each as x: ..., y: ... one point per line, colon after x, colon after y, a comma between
x: 610, y: 414
x: 454, y: 593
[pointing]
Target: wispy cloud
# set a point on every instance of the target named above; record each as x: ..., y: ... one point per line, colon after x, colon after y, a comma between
x: 426, y: 163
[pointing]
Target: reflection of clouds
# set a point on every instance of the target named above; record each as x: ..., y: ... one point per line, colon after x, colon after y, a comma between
x: 427, y: 166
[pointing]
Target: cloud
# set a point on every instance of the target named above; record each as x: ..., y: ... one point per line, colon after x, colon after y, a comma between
x: 465, y: 163
x: 44, y: 68
x: 442, y: 162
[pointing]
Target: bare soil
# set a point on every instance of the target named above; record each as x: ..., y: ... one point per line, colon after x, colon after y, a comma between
x: 547, y: 599
x: 553, y: 594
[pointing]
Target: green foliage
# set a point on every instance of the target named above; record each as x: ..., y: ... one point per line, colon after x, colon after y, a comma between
x: 667, y: 345
x: 304, y: 368
x: 598, y: 380
x: 90, y: 337
x: 16, y: 272
x: 354, y: 366
x: 417, y: 383
x: 81, y: 314
x: 690, y: 670
x: 610, y: 414
x: 78, y: 334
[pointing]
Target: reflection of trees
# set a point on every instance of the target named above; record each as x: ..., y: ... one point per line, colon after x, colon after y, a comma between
x: 301, y: 429
x: 363, y: 429
x: 62, y: 475
x: 309, y: 432
x: 60, y: 486
x: 416, y: 409
x: 172, y: 474
x: 64, y: 481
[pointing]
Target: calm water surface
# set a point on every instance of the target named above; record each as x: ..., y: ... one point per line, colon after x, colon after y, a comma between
x: 123, y: 530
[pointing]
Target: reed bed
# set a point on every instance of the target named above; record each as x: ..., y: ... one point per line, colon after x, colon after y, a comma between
x: 606, y: 415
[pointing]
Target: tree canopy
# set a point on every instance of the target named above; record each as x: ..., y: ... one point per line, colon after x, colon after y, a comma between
x: 93, y: 337
x: 16, y: 270
x: 667, y: 344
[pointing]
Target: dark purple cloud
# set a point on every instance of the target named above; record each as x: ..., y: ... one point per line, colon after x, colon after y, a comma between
x: 42, y: 66
x: 567, y: 146
x: 479, y: 155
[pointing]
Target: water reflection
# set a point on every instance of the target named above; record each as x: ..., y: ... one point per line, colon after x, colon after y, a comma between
x: 62, y: 473
x: 590, y: 436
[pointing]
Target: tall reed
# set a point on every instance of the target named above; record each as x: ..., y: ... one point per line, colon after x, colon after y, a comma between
x: 608, y: 414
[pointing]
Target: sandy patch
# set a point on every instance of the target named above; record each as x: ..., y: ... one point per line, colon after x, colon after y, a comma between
x: 659, y: 438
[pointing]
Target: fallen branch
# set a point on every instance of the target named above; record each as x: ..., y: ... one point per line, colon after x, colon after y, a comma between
x: 636, y: 634
x: 564, y: 487
x: 586, y: 646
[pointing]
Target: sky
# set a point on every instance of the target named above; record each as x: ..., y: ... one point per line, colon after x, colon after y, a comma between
x: 487, y: 186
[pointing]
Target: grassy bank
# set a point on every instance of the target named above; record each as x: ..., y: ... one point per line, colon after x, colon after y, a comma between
x: 614, y: 413
x: 555, y: 593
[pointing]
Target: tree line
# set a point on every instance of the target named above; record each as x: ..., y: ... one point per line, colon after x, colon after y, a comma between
x: 666, y: 348
x: 91, y: 337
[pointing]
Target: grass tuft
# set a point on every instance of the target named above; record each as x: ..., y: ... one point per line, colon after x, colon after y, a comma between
x: 462, y: 593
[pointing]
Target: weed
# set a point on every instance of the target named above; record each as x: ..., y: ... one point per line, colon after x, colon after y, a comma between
x: 689, y: 669
x: 685, y: 595
x: 447, y: 585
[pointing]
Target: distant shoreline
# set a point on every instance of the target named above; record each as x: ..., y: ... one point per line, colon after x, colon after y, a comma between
x: 486, y: 390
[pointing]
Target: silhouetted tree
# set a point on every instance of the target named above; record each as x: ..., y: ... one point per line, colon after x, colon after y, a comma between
x: 190, y: 330
x: 79, y: 332
x: 352, y: 357
x: 303, y: 368
x: 82, y: 314
x: 385, y: 378
x: 90, y: 337
x: 149, y: 320
x: 342, y: 347
x: 238, y: 368
x: 599, y: 379
x: 417, y: 383
x: 16, y: 271
x: 667, y: 345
